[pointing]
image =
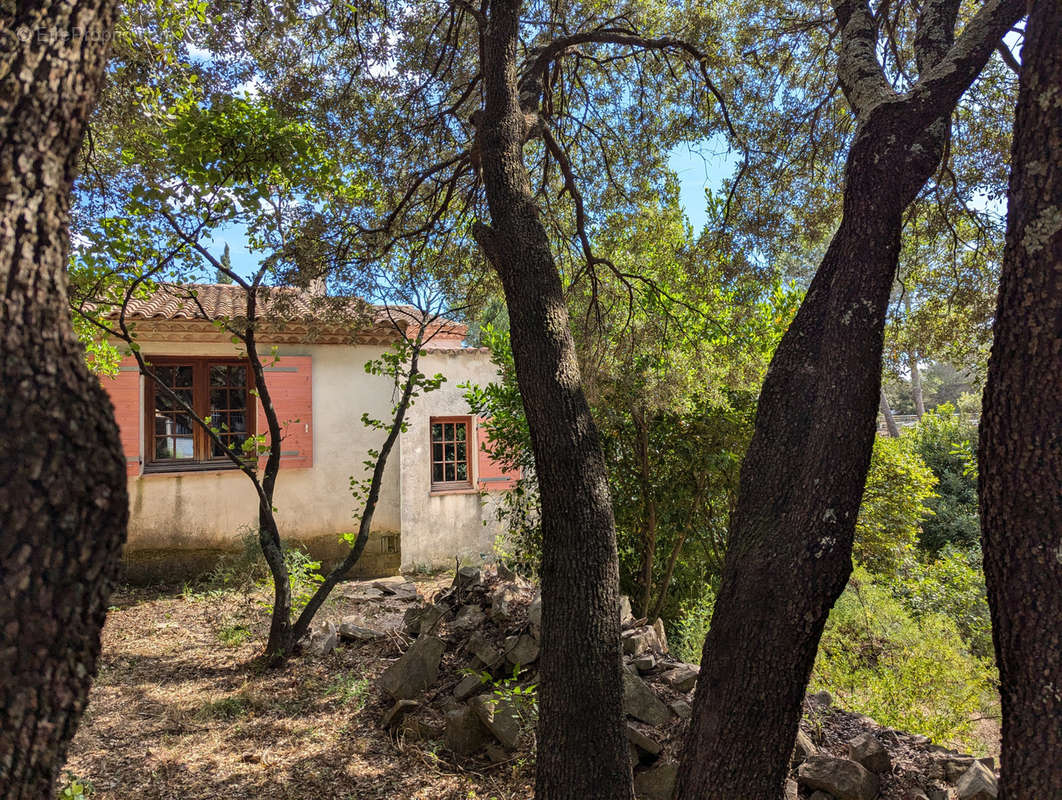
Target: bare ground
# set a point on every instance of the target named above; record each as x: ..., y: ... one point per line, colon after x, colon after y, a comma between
x: 182, y: 709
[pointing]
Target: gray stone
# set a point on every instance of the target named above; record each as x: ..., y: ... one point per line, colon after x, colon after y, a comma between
x: 642, y: 640
x: 534, y: 611
x: 501, y: 604
x: 467, y: 686
x: 499, y: 716
x: 419, y: 730
x: 464, y: 733
x: 977, y: 783
x: 681, y: 709
x: 521, y: 650
x: 468, y: 618
x: 496, y: 754
x: 416, y: 670
x: 938, y: 794
x: 643, y: 742
x: 626, y: 615
x: 802, y: 748
x: 429, y: 618
x: 792, y: 791
x: 656, y: 783
x: 467, y: 577
x: 844, y: 779
x: 396, y: 713
x: 868, y: 751
x: 640, y: 702
x: 644, y: 663
x: 682, y: 678
x: 821, y: 700
x: 350, y: 629
x: 390, y: 584
x: 411, y: 619
x: 487, y: 654
x: 661, y: 636
x: 406, y: 592
x: 321, y: 641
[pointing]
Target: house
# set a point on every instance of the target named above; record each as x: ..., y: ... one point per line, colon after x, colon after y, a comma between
x: 188, y: 505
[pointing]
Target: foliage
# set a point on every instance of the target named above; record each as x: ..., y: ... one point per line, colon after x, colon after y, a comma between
x: 898, y: 487
x: 75, y: 788
x: 946, y: 441
x: 952, y: 583
x: 349, y: 688
x: 906, y: 672
x: 234, y: 634
x: 687, y: 633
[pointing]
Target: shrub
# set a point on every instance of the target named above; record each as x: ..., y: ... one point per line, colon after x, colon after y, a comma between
x: 899, y: 484
x: 905, y: 672
x: 686, y: 638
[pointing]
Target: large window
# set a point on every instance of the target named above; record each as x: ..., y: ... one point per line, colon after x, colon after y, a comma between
x: 450, y: 451
x: 219, y: 391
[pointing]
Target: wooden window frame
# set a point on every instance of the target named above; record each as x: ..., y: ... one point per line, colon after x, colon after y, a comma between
x: 449, y: 486
x: 202, y: 443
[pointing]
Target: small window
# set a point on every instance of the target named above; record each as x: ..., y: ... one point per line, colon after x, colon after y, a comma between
x: 390, y: 543
x: 450, y: 450
x: 218, y: 391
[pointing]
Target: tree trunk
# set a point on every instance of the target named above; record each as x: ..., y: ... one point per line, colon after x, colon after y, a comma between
x: 582, y: 749
x: 886, y: 411
x: 1021, y: 431
x: 916, y: 374
x: 789, y: 553
x: 63, y: 503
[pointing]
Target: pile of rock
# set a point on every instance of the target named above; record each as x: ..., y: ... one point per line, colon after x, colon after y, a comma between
x: 469, y: 667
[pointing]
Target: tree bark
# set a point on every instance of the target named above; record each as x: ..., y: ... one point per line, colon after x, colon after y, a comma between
x: 886, y: 411
x: 1021, y: 431
x: 63, y: 503
x: 582, y: 749
x: 789, y: 553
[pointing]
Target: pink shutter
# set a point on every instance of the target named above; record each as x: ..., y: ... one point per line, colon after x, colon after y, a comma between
x: 124, y: 391
x: 492, y: 476
x: 290, y: 382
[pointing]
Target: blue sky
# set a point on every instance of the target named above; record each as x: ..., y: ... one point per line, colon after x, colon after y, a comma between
x: 698, y: 167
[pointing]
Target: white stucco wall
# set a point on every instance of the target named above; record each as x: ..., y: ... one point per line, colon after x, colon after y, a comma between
x: 437, y: 527
x: 208, y: 511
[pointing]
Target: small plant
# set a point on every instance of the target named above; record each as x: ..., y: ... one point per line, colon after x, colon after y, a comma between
x: 687, y: 636
x: 234, y: 635
x: 75, y: 788
x: 349, y: 688
x: 227, y: 708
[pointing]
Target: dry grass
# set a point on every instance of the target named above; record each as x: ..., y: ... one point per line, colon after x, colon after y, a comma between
x: 181, y: 709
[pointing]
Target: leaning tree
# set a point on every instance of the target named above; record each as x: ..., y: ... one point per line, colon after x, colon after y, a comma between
x: 789, y: 553
x: 1021, y: 431
x: 63, y: 504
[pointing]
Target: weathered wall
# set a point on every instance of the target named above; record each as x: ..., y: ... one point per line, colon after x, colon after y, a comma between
x: 179, y: 523
x: 437, y: 527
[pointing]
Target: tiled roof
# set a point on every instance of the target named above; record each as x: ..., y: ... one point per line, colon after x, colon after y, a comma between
x: 211, y: 301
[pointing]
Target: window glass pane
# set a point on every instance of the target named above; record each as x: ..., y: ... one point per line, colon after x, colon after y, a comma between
x: 162, y: 448
x: 183, y: 376
x: 219, y: 375
x: 219, y: 398
x: 237, y: 422
x: 238, y: 398
x: 436, y: 432
x: 162, y: 424
x: 165, y: 375
x: 182, y: 425
x: 450, y: 472
x: 183, y: 447
x: 462, y: 471
x: 436, y: 452
x: 449, y: 452
x: 436, y: 472
x: 460, y: 431
x: 185, y: 395
x: 461, y: 452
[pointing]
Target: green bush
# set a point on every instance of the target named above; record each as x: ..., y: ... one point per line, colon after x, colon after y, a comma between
x: 899, y: 485
x: 686, y: 637
x: 946, y: 442
x: 907, y: 672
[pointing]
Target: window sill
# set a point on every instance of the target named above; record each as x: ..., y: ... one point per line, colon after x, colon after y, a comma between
x: 178, y: 472
x: 439, y: 491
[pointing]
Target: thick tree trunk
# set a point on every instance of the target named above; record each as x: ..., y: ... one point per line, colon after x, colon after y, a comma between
x: 63, y: 504
x: 886, y: 412
x: 789, y: 553
x: 582, y: 747
x: 1021, y: 431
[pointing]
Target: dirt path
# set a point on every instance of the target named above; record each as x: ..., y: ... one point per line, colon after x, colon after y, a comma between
x: 181, y: 710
